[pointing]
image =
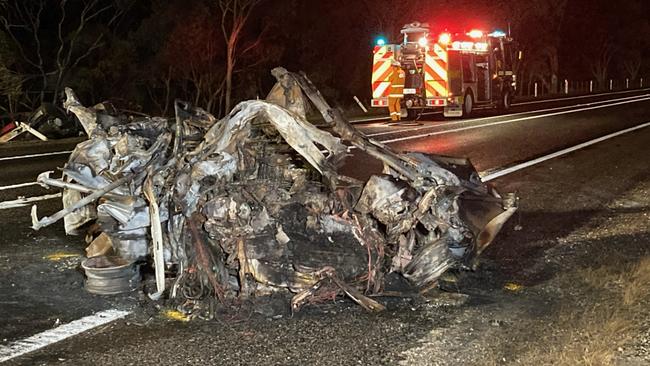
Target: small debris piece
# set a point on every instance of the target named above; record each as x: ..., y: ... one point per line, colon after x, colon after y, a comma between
x: 514, y: 287
x: 55, y: 257
x: 101, y: 245
x: 175, y: 315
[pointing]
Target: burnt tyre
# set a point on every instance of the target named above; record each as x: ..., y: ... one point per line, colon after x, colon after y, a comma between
x: 468, y: 103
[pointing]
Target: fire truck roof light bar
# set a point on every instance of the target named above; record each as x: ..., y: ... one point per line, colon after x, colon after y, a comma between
x: 497, y: 34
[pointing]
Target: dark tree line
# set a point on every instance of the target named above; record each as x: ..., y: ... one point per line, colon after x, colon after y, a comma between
x: 217, y: 52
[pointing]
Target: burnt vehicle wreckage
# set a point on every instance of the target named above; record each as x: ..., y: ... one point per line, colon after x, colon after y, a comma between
x: 253, y: 204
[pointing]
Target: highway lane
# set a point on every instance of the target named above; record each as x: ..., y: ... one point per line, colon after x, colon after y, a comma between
x: 33, y: 308
x: 558, y: 199
x: 503, y: 144
x: 521, y: 107
x: 487, y: 136
x: 24, y: 170
x: 421, y: 127
x: 497, y: 142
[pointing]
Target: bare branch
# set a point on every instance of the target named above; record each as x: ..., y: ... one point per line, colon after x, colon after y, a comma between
x: 18, y: 44
x: 60, y: 34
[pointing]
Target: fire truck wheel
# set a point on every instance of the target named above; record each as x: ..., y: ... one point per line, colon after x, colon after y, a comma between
x: 468, y: 103
x: 412, y: 114
x: 506, y: 100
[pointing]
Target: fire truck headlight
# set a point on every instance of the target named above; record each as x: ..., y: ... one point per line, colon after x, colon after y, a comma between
x: 423, y: 42
x: 445, y: 38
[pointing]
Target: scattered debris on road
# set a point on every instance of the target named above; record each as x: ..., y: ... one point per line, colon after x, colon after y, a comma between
x: 47, y: 122
x: 253, y: 204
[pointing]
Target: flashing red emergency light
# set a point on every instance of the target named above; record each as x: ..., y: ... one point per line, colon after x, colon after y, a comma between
x: 475, y: 33
x: 444, y: 38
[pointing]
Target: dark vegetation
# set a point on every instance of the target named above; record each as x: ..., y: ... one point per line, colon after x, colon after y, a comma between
x: 217, y: 52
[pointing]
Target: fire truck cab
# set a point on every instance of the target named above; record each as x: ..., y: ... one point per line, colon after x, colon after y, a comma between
x: 457, y: 72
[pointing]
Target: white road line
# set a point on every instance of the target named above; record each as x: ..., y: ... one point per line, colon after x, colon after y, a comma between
x: 413, y: 137
x: 19, y: 185
x: 48, y: 337
x: 488, y: 176
x: 20, y: 202
x: 34, y: 155
x: 378, y: 119
x: 580, y: 97
x: 506, y: 115
x: 369, y: 119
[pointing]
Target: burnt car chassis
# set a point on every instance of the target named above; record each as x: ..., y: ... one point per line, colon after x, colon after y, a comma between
x: 253, y: 204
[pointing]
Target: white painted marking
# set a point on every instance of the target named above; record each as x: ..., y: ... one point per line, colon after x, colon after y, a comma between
x: 34, y: 155
x: 379, y: 119
x: 578, y: 97
x: 446, y: 124
x: 369, y: 119
x: 19, y: 185
x: 20, y: 202
x: 372, y: 119
x: 488, y: 176
x: 413, y: 137
x: 48, y: 337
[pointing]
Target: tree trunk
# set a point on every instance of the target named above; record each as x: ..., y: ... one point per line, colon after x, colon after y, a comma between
x: 229, y: 67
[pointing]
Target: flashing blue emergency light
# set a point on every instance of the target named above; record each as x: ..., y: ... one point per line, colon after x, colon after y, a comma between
x: 498, y: 33
x: 380, y: 41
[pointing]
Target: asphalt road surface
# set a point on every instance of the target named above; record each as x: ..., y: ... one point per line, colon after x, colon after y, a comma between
x: 41, y: 286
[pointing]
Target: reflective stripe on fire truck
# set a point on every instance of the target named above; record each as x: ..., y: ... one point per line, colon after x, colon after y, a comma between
x: 435, y: 71
x: 381, y: 71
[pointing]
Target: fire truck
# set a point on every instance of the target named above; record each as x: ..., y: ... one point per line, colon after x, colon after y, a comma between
x: 457, y: 72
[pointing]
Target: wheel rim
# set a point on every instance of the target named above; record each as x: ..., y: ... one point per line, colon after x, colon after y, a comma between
x: 506, y: 101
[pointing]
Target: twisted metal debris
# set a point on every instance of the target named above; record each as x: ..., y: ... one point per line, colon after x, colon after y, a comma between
x: 253, y: 204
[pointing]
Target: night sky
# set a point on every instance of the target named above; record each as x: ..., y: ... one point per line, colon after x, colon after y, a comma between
x: 150, y: 52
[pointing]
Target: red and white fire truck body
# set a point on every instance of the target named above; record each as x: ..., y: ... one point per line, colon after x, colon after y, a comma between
x: 454, y: 71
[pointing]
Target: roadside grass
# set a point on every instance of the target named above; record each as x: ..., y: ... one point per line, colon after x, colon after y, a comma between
x: 596, y: 333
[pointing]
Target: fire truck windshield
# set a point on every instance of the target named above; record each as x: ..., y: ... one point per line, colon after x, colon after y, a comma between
x: 414, y: 37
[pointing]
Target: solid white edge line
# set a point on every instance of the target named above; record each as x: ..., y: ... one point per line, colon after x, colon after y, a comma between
x: 19, y: 185
x: 369, y: 119
x: 378, y: 119
x: 473, y: 120
x: 579, y: 97
x: 501, y: 172
x: 21, y: 202
x: 34, y: 155
x: 413, y: 137
x: 48, y: 337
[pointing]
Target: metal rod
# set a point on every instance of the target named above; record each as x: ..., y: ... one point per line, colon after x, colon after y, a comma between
x: 45, y: 221
x: 45, y: 181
